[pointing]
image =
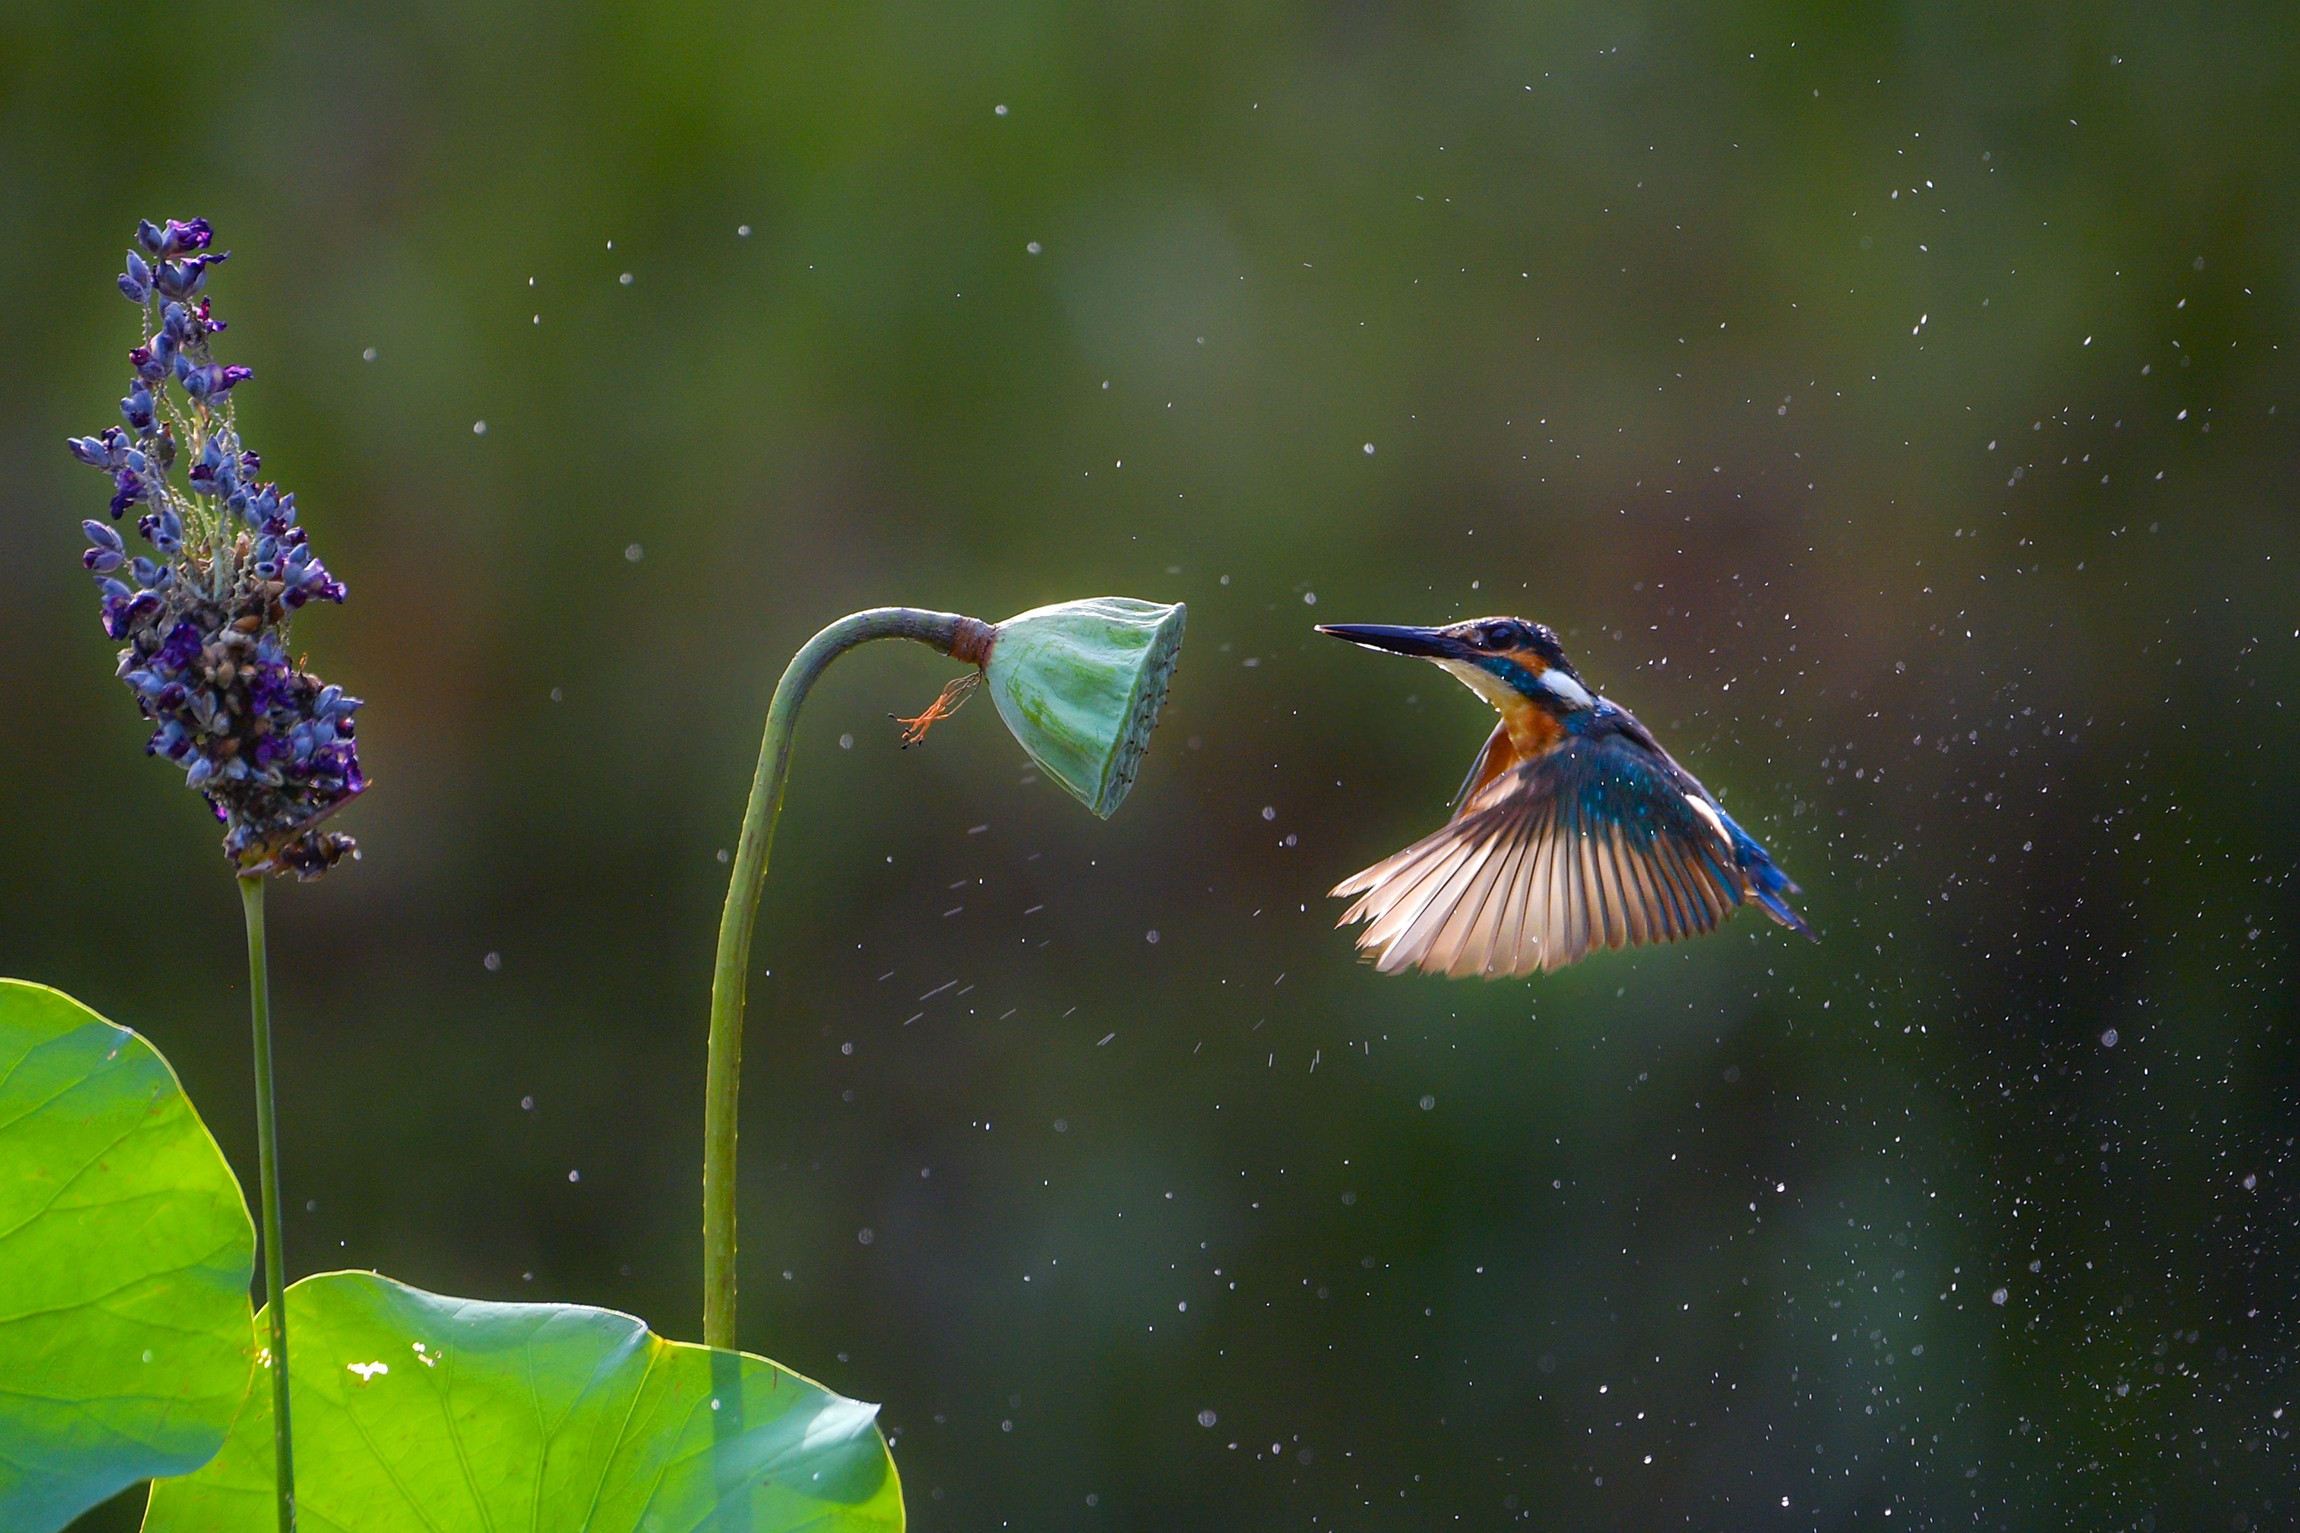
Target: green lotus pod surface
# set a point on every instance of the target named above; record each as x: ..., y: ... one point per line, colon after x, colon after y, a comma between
x: 1080, y: 684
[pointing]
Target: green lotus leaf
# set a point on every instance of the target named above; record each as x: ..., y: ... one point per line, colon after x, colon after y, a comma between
x: 125, y: 1254
x: 1080, y: 684
x: 416, y: 1413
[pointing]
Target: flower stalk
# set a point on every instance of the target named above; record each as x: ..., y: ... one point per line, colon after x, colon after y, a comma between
x: 268, y: 1172
x: 203, y: 620
x: 1079, y: 685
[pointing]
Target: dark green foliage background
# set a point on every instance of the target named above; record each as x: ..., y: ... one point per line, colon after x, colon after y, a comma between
x: 1892, y: 404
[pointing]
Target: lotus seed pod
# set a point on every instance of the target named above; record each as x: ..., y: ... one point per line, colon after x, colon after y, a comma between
x: 1080, y: 684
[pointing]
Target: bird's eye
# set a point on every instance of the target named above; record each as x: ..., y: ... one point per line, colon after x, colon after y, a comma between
x: 1501, y: 635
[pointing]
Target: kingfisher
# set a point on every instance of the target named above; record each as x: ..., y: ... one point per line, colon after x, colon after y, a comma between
x: 1574, y: 829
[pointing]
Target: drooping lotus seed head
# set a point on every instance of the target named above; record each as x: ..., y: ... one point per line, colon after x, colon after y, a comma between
x: 1080, y: 684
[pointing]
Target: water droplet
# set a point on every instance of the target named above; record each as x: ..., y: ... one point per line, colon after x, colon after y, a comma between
x: 1207, y: 1418
x: 1428, y: 1103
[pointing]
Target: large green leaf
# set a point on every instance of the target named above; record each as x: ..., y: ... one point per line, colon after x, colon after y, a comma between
x: 430, y: 1415
x: 125, y: 1253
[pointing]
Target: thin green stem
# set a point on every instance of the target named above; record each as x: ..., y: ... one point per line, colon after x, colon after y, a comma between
x: 268, y: 1171
x: 730, y: 974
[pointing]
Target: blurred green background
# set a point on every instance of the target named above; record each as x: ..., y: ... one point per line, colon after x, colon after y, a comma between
x: 1891, y: 404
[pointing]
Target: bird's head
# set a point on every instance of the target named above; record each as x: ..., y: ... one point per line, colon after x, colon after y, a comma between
x: 1508, y: 661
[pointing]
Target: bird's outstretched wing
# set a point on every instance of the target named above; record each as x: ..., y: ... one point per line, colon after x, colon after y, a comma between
x: 1601, y: 842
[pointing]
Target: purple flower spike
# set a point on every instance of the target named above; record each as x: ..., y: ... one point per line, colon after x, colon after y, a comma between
x: 206, y: 656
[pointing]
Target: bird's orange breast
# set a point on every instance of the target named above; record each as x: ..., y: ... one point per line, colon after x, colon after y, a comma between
x: 1526, y: 732
x: 1533, y: 730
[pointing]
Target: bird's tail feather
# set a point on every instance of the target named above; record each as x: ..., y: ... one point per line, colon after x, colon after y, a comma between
x: 1768, y: 885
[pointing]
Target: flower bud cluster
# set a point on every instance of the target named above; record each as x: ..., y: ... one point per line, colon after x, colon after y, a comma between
x: 205, y: 615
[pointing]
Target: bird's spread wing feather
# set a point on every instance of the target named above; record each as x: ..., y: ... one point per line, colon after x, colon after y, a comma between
x: 1601, y: 842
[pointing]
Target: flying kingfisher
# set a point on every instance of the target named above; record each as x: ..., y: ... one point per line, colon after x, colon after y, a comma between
x: 1573, y: 831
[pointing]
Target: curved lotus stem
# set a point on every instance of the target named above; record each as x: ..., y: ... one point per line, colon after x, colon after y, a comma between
x: 1079, y: 684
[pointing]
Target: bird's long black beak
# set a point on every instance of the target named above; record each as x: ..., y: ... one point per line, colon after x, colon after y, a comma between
x: 1427, y: 643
